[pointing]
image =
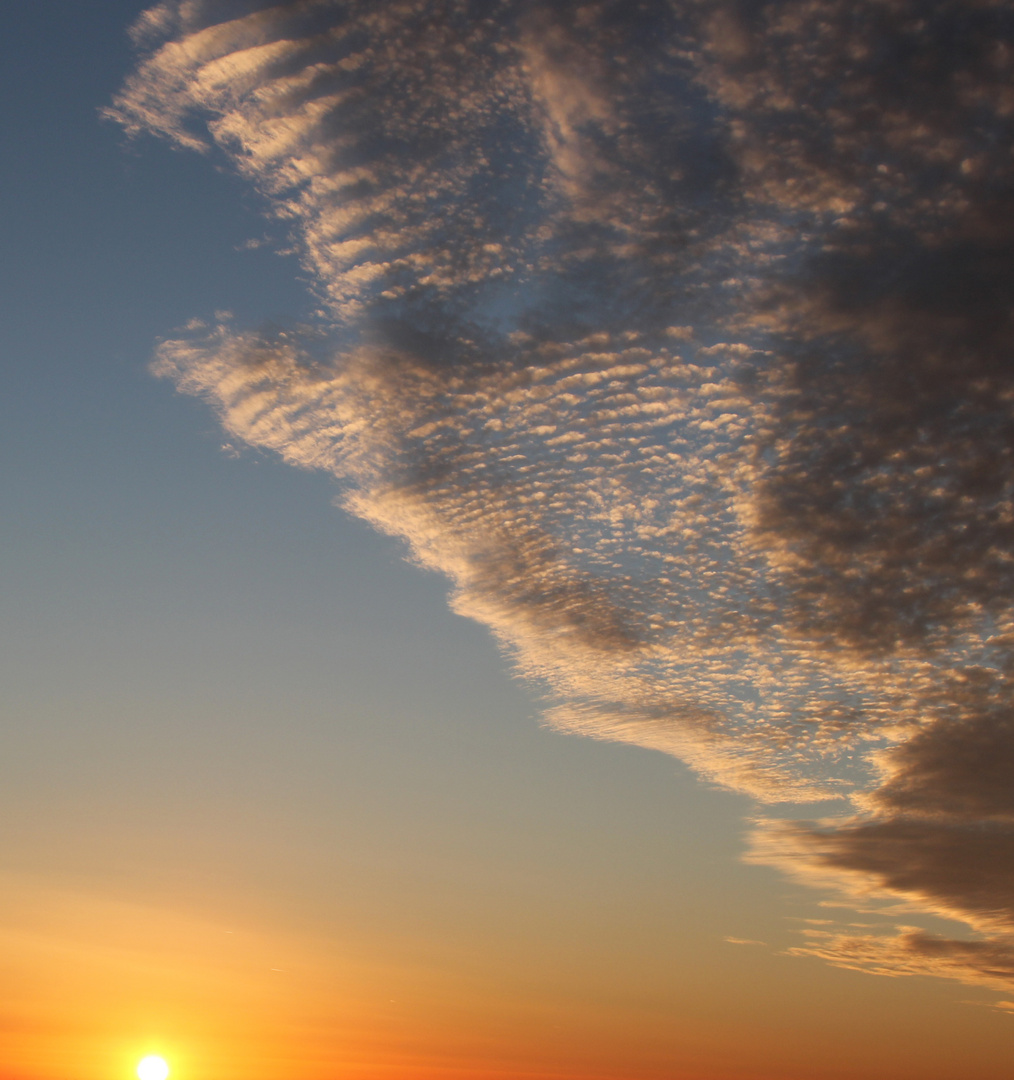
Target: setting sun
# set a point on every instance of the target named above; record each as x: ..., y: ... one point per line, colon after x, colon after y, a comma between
x: 152, y: 1068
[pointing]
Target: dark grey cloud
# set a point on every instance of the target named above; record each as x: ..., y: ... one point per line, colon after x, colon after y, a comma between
x: 886, y: 129
x: 678, y: 336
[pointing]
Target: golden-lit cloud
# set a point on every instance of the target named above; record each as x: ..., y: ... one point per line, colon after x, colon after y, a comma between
x: 677, y: 337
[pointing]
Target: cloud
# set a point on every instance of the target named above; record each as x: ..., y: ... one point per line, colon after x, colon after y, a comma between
x: 914, y: 952
x: 960, y: 872
x: 677, y: 336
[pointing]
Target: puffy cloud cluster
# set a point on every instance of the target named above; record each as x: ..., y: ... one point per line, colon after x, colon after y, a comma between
x: 677, y: 335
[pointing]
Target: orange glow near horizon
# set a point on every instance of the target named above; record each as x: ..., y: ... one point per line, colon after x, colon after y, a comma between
x: 104, y: 983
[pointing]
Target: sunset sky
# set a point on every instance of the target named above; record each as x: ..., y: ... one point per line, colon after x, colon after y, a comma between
x: 509, y: 560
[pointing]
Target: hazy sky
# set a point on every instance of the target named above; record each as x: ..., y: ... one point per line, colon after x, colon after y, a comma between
x: 509, y: 563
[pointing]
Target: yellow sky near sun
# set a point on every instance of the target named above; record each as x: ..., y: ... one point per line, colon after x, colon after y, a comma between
x: 89, y: 985
x: 93, y: 984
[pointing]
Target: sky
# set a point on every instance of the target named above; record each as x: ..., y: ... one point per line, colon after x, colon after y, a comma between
x: 508, y: 563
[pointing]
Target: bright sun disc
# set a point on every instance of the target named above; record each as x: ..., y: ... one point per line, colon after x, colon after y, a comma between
x: 152, y: 1068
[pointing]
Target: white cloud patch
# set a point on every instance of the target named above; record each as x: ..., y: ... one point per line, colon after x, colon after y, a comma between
x: 677, y: 337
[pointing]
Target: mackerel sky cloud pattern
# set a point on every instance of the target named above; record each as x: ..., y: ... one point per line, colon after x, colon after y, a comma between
x: 678, y: 337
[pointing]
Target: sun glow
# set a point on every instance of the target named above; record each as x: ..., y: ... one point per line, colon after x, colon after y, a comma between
x: 152, y: 1068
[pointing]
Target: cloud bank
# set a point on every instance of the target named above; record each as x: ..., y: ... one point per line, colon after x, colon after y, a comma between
x: 677, y: 336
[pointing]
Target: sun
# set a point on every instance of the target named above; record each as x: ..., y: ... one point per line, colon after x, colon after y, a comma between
x: 152, y: 1068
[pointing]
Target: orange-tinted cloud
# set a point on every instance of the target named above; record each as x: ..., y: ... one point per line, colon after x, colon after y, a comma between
x: 782, y: 552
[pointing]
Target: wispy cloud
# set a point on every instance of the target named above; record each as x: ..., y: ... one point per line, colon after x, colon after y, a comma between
x: 677, y: 336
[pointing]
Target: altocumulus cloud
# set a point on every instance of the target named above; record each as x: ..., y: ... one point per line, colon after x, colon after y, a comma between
x: 677, y: 335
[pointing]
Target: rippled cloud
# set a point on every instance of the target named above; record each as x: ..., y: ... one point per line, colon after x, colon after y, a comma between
x: 677, y: 336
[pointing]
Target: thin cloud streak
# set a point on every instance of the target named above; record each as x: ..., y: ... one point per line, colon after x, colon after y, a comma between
x: 677, y: 336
